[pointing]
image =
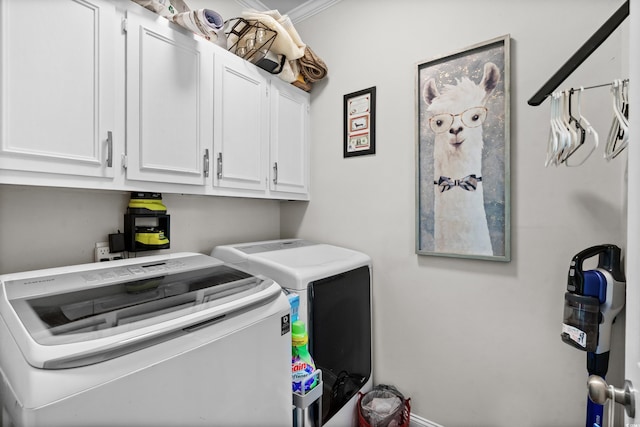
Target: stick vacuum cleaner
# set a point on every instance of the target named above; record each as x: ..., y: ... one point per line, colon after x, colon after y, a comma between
x: 592, y: 301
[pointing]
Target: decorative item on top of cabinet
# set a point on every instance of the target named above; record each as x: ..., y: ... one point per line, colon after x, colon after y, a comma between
x: 57, y: 118
x: 252, y: 40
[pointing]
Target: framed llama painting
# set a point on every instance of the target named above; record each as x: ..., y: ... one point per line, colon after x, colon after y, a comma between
x: 462, y: 153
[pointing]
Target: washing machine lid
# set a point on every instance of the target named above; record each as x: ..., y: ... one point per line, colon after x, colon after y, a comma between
x: 79, y: 315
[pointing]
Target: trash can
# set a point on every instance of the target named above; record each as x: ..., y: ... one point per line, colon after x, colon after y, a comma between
x: 383, y: 406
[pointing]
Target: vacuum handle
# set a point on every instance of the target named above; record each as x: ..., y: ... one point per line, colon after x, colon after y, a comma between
x: 610, y: 260
x: 608, y: 256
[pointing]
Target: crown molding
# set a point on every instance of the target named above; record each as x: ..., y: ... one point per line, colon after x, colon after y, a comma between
x: 252, y: 4
x: 309, y: 8
x: 298, y: 14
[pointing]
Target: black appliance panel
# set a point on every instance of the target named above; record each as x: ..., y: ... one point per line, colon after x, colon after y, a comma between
x: 340, y: 335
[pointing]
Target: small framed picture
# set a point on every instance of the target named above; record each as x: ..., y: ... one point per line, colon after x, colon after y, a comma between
x: 360, y: 123
x: 462, y: 165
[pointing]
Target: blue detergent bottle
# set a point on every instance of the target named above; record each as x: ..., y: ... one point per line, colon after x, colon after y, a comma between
x: 302, y: 364
x: 294, y: 302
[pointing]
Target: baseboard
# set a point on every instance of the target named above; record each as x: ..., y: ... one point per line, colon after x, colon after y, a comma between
x: 417, y: 421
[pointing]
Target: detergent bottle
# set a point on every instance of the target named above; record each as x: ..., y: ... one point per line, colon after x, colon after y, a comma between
x: 302, y: 365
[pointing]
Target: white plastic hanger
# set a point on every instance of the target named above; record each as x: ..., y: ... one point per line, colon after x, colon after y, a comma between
x: 620, y: 115
x: 552, y: 141
x: 619, y: 131
x: 554, y: 133
x: 615, y: 124
x: 590, y: 133
x: 562, y: 128
x: 572, y: 141
x: 563, y: 135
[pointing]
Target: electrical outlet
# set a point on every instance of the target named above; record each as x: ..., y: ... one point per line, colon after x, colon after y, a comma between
x: 102, y: 253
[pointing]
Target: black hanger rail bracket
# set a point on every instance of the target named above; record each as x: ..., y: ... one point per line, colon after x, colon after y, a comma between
x: 581, y: 54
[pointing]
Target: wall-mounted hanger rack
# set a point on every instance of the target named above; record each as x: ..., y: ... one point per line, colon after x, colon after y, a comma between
x: 574, y: 90
x: 581, y: 54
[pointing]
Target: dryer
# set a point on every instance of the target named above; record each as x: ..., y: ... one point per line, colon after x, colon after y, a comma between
x: 181, y: 339
x: 334, y: 288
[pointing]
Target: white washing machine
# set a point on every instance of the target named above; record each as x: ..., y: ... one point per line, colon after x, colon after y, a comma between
x: 176, y: 340
x: 334, y: 286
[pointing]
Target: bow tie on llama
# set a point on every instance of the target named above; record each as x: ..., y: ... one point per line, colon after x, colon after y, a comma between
x: 469, y: 183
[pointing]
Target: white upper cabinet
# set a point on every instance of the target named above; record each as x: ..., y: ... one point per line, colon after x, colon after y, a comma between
x: 289, y: 142
x: 261, y: 130
x: 106, y: 94
x: 169, y: 102
x: 57, y: 85
x: 241, y: 126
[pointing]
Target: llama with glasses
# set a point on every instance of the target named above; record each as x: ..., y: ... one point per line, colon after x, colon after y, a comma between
x: 456, y: 117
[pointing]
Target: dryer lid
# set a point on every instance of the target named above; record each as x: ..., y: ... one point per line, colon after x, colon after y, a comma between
x: 292, y: 263
x: 277, y: 245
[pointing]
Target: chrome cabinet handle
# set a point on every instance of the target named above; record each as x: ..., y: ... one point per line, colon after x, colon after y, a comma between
x: 109, y: 149
x: 275, y: 172
x: 219, y: 165
x: 206, y: 162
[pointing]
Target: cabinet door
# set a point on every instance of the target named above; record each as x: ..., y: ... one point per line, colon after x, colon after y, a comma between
x: 289, y: 139
x: 169, y: 92
x: 57, y: 84
x: 241, y: 126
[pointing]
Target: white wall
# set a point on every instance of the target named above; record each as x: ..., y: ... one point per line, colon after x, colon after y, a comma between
x: 473, y: 343
x: 43, y: 227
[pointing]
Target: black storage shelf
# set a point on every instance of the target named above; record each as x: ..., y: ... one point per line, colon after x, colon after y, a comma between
x: 162, y: 222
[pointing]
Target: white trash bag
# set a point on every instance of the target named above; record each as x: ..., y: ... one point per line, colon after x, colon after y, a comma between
x: 382, y: 406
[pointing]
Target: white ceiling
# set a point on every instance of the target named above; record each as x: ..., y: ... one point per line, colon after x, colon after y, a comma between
x: 297, y: 10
